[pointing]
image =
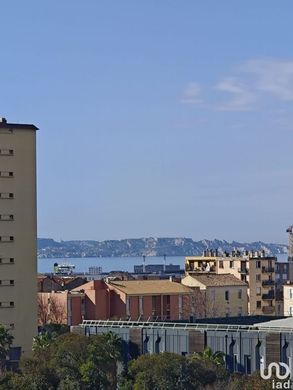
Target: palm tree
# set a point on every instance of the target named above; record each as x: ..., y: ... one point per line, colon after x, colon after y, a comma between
x: 5, y: 343
x: 209, y: 356
x: 43, y: 341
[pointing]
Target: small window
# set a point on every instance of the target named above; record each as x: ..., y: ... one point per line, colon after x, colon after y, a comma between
x: 11, y: 304
x: 11, y: 195
x: 11, y: 260
x: 231, y: 264
x: 240, y: 293
x: 11, y: 282
x: 257, y: 277
x: 227, y: 295
x: 291, y: 293
x: 258, y: 264
x: 258, y: 304
x: 11, y: 238
x: 258, y: 290
x: 221, y: 264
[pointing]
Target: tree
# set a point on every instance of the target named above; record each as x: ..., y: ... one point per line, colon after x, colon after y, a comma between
x: 6, y: 340
x: 199, y: 304
x: 50, y: 310
x: 43, y: 341
x: 163, y: 371
x: 209, y: 356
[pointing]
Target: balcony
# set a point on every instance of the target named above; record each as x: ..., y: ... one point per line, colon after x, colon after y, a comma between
x: 267, y: 270
x: 243, y: 271
x: 269, y: 296
x: 205, y: 269
x: 267, y: 283
x: 268, y: 309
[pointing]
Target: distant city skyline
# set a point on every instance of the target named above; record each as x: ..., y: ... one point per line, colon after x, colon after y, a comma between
x: 155, y: 120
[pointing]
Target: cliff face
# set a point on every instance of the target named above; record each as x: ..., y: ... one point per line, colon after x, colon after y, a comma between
x: 146, y: 246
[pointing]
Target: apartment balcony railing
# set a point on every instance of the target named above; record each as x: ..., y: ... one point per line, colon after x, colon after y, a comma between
x: 268, y: 296
x: 201, y: 269
x: 243, y: 271
x: 267, y: 283
x: 268, y: 309
x: 268, y: 269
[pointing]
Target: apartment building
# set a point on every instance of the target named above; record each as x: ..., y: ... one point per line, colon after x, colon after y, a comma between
x: 221, y: 295
x: 254, y: 268
x: 135, y: 299
x: 151, y: 299
x: 288, y: 299
x: 18, y: 232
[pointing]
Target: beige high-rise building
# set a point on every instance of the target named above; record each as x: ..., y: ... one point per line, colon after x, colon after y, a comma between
x: 18, y: 234
x: 256, y: 269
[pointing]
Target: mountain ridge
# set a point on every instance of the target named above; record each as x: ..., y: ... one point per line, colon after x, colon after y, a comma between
x: 151, y: 246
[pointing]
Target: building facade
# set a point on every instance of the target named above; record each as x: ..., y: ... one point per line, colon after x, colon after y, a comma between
x: 221, y: 295
x: 288, y: 299
x: 18, y: 233
x: 243, y: 346
x: 255, y: 269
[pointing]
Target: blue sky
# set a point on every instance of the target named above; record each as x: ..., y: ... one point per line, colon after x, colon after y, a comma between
x: 156, y: 118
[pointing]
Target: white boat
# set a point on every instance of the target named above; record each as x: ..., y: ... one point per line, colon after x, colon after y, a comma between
x: 64, y: 269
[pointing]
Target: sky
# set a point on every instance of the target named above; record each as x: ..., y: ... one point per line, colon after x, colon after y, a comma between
x: 157, y: 118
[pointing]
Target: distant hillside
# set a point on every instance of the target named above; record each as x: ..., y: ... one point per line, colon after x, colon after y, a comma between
x: 48, y: 248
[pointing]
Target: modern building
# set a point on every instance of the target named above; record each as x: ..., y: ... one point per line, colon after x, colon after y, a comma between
x: 221, y: 295
x: 18, y: 234
x: 244, y: 344
x: 254, y: 268
x: 95, y: 270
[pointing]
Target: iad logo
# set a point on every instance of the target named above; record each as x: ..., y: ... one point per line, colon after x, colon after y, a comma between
x: 279, y: 375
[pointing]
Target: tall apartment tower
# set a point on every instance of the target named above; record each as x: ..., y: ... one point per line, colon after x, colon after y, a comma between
x: 18, y: 234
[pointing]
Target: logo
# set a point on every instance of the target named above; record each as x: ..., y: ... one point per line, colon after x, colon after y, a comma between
x: 278, y: 372
x: 277, y: 367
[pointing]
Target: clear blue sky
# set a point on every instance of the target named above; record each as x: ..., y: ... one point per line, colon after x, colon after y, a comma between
x: 157, y: 118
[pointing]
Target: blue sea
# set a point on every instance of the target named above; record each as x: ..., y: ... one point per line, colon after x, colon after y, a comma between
x: 113, y: 263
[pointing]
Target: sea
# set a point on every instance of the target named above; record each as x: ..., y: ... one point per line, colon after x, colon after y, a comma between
x: 113, y: 263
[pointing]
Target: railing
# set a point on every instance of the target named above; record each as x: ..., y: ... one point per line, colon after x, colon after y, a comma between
x: 268, y: 296
x: 183, y: 326
x: 267, y: 269
x: 267, y: 283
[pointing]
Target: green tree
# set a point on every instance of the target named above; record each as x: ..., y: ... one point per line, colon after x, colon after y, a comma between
x: 6, y: 340
x: 209, y: 356
x: 43, y: 341
x: 159, y: 372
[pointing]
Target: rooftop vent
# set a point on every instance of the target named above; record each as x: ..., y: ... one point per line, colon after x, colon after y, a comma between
x: 3, y: 120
